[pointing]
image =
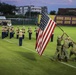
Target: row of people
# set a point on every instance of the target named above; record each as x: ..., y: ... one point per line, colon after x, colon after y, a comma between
x: 9, y: 30
x: 20, y: 34
x: 6, y: 30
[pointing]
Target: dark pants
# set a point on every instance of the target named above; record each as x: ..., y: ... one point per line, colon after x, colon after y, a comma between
x: 52, y: 37
x: 3, y: 35
x: 13, y: 34
x: 20, y: 41
x: 36, y: 35
x: 30, y: 36
x: 10, y: 35
x: 7, y: 34
x: 17, y: 36
x: 23, y: 36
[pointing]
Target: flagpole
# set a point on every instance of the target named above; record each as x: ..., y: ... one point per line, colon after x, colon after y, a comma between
x: 65, y: 33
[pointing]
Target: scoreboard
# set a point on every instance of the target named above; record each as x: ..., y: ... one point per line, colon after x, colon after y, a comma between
x: 61, y: 20
x: 65, y: 20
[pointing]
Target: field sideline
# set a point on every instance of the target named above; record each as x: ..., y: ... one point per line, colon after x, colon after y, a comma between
x: 15, y: 60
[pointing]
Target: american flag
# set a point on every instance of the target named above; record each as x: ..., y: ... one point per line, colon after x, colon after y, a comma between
x: 46, y: 29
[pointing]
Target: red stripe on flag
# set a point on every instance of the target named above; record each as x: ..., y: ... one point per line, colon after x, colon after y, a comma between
x: 45, y: 34
x: 44, y: 37
x: 39, y: 40
x: 46, y: 43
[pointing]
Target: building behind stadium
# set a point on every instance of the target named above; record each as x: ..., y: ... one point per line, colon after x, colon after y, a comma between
x: 21, y: 10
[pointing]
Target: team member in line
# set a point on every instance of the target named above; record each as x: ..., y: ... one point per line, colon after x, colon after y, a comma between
x: 20, y: 37
x: 30, y: 32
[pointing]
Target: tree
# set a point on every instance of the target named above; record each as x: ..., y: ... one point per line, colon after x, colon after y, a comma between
x: 7, y: 9
x: 53, y: 12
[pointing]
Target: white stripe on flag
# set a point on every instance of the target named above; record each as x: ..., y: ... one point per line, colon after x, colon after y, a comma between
x: 47, y: 35
x: 44, y: 36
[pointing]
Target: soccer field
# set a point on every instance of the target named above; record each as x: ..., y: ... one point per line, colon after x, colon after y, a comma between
x: 24, y: 60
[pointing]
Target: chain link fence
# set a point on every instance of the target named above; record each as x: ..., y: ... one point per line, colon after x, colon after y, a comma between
x: 23, y: 21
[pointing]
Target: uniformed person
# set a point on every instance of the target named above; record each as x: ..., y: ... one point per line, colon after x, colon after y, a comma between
x: 58, y: 49
x: 20, y: 37
x: 10, y: 31
x: 30, y: 32
x: 6, y: 31
x: 36, y: 30
x: 52, y: 36
x: 65, y: 48
x: 17, y: 32
x: 3, y: 32
x: 72, y: 49
x: 23, y: 31
x: 13, y: 31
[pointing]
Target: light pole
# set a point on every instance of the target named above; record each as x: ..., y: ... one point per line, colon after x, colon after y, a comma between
x: 30, y: 11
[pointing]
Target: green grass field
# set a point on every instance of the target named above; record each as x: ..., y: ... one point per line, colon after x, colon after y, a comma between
x: 24, y: 60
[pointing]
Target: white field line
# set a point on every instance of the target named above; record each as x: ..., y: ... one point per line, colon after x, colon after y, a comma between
x: 68, y: 65
x: 43, y: 54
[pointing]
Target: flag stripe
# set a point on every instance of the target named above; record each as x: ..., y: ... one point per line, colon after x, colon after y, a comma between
x: 44, y: 46
x: 39, y: 39
x: 46, y: 29
x: 47, y: 38
x: 45, y: 33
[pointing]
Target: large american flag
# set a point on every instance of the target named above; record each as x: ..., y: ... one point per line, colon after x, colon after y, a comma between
x: 46, y: 29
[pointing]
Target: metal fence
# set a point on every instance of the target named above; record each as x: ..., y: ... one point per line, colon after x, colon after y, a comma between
x: 23, y: 21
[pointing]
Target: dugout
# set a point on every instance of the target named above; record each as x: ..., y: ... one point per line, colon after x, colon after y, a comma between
x: 4, y: 21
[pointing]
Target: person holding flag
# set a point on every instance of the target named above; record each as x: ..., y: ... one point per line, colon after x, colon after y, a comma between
x: 59, y: 47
